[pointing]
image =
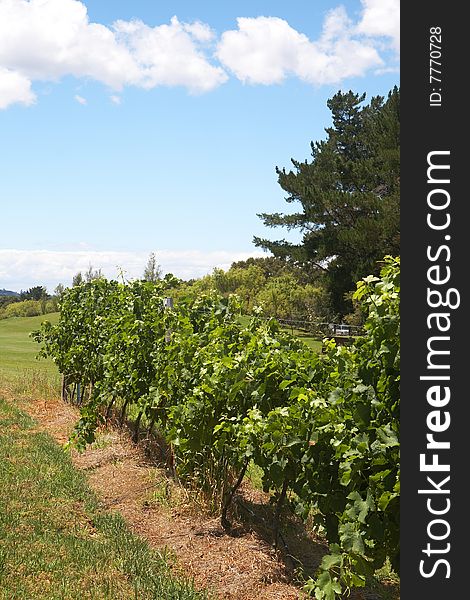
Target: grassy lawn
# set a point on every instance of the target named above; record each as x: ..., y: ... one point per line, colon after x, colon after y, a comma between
x: 20, y: 371
x: 55, y: 542
x: 314, y: 343
x: 17, y: 349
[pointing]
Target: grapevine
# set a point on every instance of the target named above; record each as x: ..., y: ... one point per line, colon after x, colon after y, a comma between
x: 322, y: 428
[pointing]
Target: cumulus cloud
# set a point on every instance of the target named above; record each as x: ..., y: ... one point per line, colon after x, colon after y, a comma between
x: 381, y: 18
x: 45, y: 40
x: 265, y: 50
x: 14, y: 88
x: 22, y: 269
x: 81, y: 100
x: 169, y: 55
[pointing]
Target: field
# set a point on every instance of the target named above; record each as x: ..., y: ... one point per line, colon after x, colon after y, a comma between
x: 17, y: 350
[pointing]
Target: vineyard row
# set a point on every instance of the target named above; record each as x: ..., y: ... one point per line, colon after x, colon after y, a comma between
x: 322, y: 428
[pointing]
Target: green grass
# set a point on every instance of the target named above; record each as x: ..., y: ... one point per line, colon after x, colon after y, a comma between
x: 17, y: 349
x: 55, y: 541
x: 313, y: 341
x: 20, y: 370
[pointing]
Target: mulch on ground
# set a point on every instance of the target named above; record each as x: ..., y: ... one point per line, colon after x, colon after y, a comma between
x: 243, y: 566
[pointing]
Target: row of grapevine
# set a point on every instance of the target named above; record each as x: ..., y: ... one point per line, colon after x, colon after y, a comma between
x: 323, y: 428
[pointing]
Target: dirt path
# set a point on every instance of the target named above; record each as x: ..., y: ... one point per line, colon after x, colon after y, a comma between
x: 244, y: 567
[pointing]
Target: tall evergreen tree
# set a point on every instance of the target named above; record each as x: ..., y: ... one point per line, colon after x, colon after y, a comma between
x: 38, y: 292
x: 153, y: 271
x: 348, y: 195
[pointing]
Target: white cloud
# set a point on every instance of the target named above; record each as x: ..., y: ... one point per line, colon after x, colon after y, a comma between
x: 385, y: 70
x: 262, y: 50
x: 198, y: 30
x: 81, y: 100
x: 22, y: 269
x: 61, y: 41
x: 45, y: 40
x: 266, y: 50
x: 169, y: 54
x: 14, y: 88
x: 115, y: 99
x: 381, y: 18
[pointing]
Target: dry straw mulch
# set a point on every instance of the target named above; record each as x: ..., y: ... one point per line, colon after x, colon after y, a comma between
x: 243, y: 566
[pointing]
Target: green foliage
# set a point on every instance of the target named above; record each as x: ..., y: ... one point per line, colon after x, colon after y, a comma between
x: 274, y: 266
x: 5, y: 300
x: 284, y: 298
x: 279, y: 289
x: 152, y: 271
x: 348, y: 195
x: 245, y: 282
x: 28, y: 308
x: 89, y: 275
x: 37, y: 292
x: 323, y: 428
x: 354, y: 465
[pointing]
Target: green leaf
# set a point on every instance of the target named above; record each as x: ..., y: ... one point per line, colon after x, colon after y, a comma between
x: 360, y: 507
x: 346, y: 477
x: 362, y: 413
x: 286, y: 383
x: 351, y: 539
x: 331, y: 560
x: 357, y: 580
x: 387, y: 436
x: 385, y: 499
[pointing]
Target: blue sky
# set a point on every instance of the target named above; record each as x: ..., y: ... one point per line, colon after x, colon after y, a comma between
x: 137, y: 127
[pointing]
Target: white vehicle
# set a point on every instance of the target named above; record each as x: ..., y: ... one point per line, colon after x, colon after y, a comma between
x: 342, y: 329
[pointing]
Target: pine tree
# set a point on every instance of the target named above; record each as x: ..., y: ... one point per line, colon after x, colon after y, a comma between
x: 348, y: 195
x: 153, y: 271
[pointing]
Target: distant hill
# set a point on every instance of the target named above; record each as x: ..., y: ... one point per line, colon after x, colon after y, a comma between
x: 8, y: 293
